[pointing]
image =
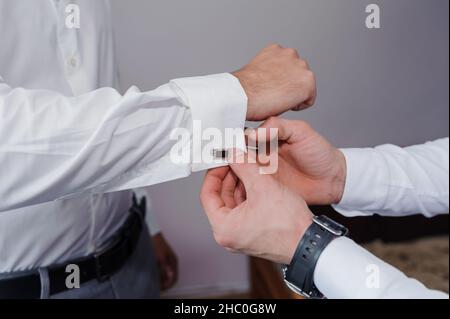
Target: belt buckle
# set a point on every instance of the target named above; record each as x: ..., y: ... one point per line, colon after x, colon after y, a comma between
x: 98, y: 268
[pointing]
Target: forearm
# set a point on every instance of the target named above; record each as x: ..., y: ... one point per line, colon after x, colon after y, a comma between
x: 52, y: 146
x: 346, y: 270
x: 389, y: 180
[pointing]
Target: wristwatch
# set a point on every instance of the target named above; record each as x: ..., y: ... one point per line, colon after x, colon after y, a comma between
x: 299, y: 274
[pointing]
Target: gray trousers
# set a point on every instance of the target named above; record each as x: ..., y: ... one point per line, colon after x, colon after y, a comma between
x: 137, y: 279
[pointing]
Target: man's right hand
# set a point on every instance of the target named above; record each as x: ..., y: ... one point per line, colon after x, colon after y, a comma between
x: 268, y: 223
x: 275, y: 81
x: 308, y: 163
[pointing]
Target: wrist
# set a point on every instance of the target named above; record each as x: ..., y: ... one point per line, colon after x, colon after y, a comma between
x: 296, y: 238
x: 299, y: 274
x: 246, y: 86
x: 338, y: 183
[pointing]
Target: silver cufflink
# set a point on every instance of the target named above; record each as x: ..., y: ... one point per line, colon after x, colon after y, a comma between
x: 223, y: 154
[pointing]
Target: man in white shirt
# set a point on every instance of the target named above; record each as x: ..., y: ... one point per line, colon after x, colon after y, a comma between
x: 267, y: 215
x: 72, y: 147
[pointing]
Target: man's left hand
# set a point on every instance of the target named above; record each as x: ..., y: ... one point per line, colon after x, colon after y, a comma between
x: 166, y: 260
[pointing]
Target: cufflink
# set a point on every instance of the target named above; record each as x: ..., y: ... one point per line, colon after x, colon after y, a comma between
x: 223, y: 154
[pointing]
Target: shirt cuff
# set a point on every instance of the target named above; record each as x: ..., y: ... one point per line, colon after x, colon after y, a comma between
x: 218, y: 105
x: 346, y: 270
x: 367, y: 183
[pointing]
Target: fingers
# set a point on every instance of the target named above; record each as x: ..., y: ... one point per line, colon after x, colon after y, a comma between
x: 245, y: 166
x: 282, y: 128
x: 240, y: 195
x: 228, y: 189
x: 272, y: 47
x: 309, y: 86
x: 168, y: 273
x: 313, y: 83
x: 211, y: 193
x: 166, y: 260
x: 312, y: 100
x: 172, y: 270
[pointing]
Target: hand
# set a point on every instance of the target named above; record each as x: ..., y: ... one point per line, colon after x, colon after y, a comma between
x: 275, y: 81
x: 268, y: 223
x: 308, y: 164
x: 166, y: 260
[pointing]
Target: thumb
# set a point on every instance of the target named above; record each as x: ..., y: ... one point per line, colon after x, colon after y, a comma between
x: 274, y: 128
x: 245, y: 166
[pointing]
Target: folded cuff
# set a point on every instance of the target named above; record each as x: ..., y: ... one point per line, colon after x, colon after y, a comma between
x: 218, y: 105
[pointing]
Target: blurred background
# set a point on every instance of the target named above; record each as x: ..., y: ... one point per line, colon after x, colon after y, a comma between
x: 388, y: 85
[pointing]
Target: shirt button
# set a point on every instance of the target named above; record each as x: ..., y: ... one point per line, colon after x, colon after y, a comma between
x: 73, y: 62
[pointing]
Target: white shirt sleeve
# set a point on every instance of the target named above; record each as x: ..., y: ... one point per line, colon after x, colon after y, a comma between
x: 386, y: 180
x: 394, y: 181
x: 345, y: 270
x: 53, y: 146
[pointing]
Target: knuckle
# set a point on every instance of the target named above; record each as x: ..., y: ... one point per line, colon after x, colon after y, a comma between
x: 303, y: 64
x: 274, y: 46
x: 310, y: 77
x: 291, y: 52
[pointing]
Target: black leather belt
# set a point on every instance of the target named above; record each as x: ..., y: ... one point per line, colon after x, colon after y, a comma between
x: 99, y: 266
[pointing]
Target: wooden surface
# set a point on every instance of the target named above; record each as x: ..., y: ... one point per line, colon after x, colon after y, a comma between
x: 267, y: 281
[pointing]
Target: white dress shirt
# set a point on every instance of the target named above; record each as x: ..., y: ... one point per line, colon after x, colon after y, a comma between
x: 67, y: 134
x: 391, y: 181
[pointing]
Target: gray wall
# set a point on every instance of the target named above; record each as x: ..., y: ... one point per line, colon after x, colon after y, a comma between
x: 375, y: 86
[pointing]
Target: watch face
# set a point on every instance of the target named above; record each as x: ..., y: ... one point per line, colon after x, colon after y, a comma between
x: 330, y: 225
